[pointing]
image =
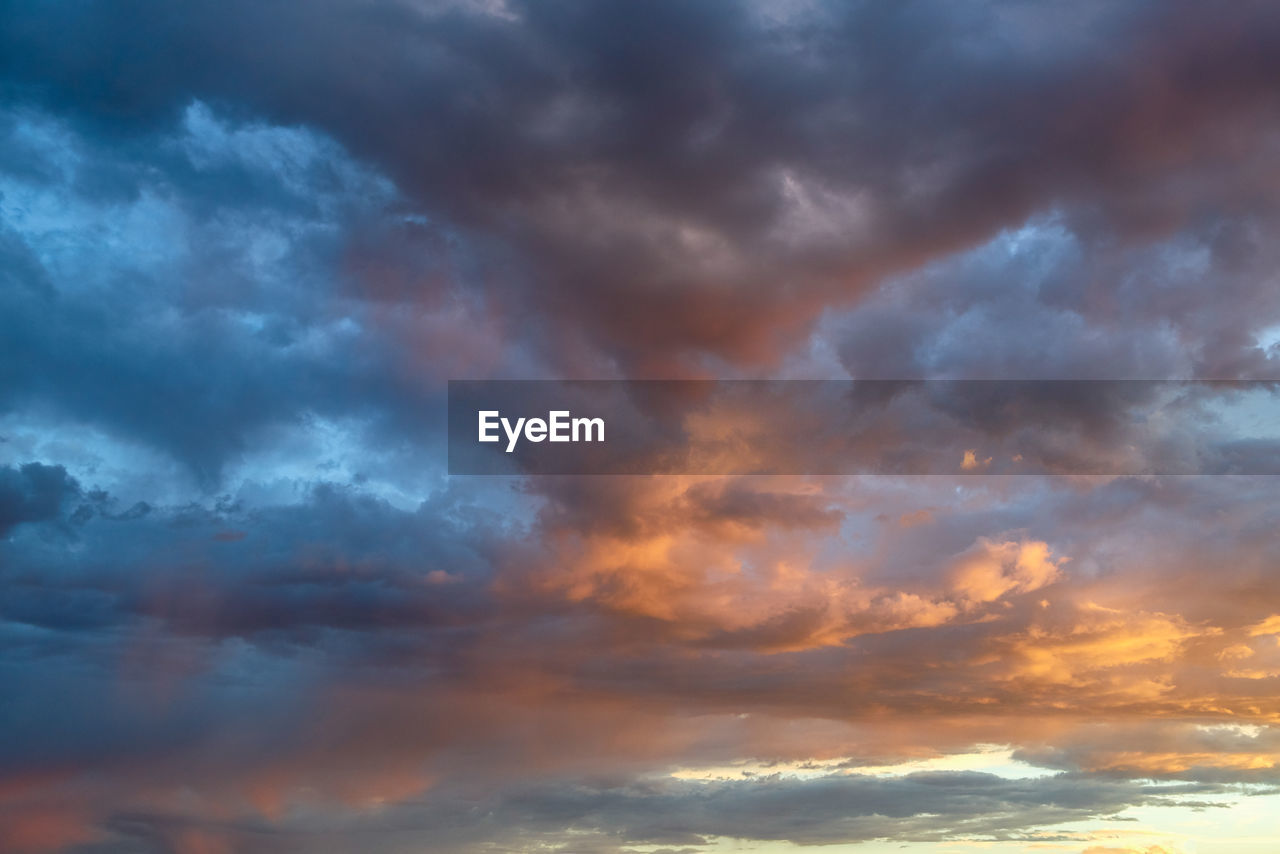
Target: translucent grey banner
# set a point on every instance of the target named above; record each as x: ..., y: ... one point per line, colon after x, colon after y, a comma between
x: 890, y: 427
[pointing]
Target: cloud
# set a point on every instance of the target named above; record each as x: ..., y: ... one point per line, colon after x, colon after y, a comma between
x: 990, y: 570
x: 33, y: 493
x: 825, y: 810
x: 243, y: 608
x: 666, y: 201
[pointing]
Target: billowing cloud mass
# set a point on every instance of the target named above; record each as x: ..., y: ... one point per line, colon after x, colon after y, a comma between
x: 243, y: 608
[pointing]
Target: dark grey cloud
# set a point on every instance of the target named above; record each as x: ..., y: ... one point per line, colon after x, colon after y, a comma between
x: 33, y: 493
x: 832, y: 810
x: 1049, y: 301
x: 340, y: 560
x: 669, y: 178
x: 615, y: 200
x: 583, y: 815
x: 166, y: 324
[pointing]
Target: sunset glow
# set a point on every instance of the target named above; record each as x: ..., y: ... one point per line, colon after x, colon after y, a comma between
x: 249, y: 605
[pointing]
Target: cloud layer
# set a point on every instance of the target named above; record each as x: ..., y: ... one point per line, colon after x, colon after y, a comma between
x: 242, y: 247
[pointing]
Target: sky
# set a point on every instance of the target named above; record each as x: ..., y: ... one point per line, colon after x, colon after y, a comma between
x: 244, y: 608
